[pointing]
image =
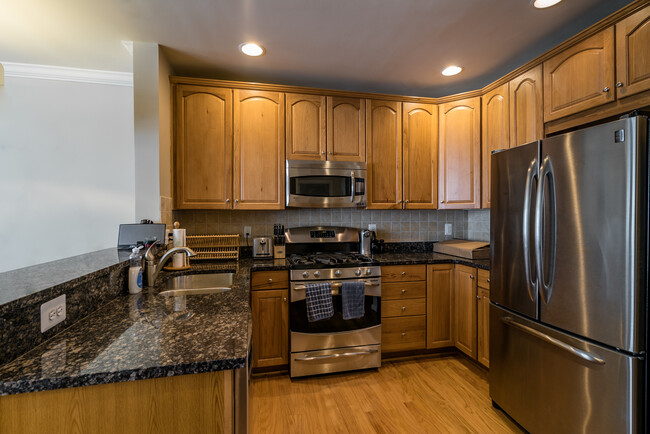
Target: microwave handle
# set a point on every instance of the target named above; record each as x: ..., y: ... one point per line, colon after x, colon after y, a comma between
x: 354, y: 181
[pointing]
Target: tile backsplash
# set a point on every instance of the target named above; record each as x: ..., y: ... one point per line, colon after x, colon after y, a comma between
x: 392, y: 225
x: 478, y: 224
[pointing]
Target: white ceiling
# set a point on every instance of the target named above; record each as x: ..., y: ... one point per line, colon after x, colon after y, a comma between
x: 392, y: 46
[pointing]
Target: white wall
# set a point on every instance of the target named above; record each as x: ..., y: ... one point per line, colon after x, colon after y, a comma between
x: 66, y: 168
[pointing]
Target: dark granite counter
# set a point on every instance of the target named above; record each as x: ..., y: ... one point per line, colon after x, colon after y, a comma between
x: 428, y: 258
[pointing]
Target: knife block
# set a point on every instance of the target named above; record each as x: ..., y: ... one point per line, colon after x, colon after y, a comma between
x: 278, y: 252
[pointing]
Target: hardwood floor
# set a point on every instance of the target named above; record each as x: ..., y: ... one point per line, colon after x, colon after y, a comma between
x: 443, y: 394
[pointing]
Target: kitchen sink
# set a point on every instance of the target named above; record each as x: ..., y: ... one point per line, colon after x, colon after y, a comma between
x: 198, y: 284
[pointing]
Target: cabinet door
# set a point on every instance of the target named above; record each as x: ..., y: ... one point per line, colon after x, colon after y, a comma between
x: 420, y: 151
x: 440, y: 302
x: 203, y: 147
x: 483, y: 311
x: 460, y: 154
x: 259, y: 150
x: 526, y: 107
x: 306, y: 124
x: 580, y: 77
x: 384, y: 137
x: 346, y: 129
x: 270, y: 327
x: 495, y: 134
x: 465, y: 309
x: 633, y: 54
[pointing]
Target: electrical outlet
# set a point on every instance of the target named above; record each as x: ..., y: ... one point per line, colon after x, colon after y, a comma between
x: 372, y: 227
x: 52, y: 313
x: 447, y: 228
x: 247, y: 231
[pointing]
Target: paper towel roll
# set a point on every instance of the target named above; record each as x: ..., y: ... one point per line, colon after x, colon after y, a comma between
x: 179, y: 237
x: 180, y: 259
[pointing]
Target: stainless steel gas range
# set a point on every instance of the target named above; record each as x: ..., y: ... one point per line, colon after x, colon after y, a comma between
x: 330, y: 254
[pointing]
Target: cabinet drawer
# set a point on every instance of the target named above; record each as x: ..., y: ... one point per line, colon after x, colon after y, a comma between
x: 398, y: 291
x: 484, y: 279
x: 407, y: 307
x: 269, y: 280
x: 406, y: 333
x: 403, y: 273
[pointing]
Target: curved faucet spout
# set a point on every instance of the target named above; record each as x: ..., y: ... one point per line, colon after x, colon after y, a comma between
x: 168, y: 254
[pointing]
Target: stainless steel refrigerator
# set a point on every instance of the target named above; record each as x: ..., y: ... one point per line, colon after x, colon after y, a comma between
x: 569, y: 240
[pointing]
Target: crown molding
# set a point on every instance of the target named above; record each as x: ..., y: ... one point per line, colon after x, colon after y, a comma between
x: 62, y: 73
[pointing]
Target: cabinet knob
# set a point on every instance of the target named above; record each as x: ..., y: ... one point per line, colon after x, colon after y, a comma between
x: 227, y: 200
x: 619, y: 84
x: 330, y: 152
x: 488, y: 281
x: 403, y: 273
x: 270, y: 280
x: 403, y: 291
x: 403, y: 308
x: 399, y: 201
x: 236, y: 200
x: 284, y: 299
x: 403, y: 334
x: 606, y: 89
x: 478, y: 297
x: 406, y: 201
x: 471, y: 276
x: 322, y: 152
x: 442, y: 201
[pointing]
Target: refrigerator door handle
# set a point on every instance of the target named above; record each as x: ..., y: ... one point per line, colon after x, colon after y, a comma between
x: 545, y: 288
x: 531, y: 175
x: 584, y: 355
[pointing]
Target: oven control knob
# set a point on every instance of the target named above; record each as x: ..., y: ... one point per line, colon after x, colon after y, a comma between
x: 368, y: 271
x: 358, y: 272
x: 337, y: 273
x: 316, y: 273
x: 305, y: 274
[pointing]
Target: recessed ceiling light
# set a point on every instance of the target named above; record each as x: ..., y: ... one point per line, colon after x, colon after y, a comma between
x: 451, y: 70
x: 541, y: 4
x: 251, y: 49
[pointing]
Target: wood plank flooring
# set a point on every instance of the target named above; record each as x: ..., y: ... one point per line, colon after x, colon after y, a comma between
x: 443, y: 394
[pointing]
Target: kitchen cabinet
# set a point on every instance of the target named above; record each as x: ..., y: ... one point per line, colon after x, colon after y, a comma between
x: 465, y: 337
x: 580, y: 77
x: 526, y: 107
x: 306, y: 127
x: 270, y: 311
x: 440, y: 303
x: 346, y: 129
x: 403, y: 308
x: 483, y: 318
x: 420, y: 155
x: 495, y: 133
x: 258, y: 166
x: 203, y: 147
x: 633, y: 54
x: 384, y: 158
x: 459, y: 164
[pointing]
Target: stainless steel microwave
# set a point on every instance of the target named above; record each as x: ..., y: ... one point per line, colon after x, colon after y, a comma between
x: 325, y: 184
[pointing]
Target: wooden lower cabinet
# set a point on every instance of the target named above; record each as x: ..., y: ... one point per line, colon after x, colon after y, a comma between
x: 440, y: 303
x: 402, y: 334
x: 483, y: 327
x: 465, y: 309
x: 270, y: 308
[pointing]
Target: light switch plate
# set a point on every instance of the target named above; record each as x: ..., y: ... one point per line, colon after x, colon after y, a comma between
x: 447, y: 228
x: 372, y: 227
x: 52, y: 313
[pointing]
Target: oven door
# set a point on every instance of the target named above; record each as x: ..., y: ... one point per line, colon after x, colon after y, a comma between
x: 325, y: 184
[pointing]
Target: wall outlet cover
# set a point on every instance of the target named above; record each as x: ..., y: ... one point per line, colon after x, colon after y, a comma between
x: 53, y: 312
x: 372, y: 227
x: 247, y: 231
x: 447, y: 228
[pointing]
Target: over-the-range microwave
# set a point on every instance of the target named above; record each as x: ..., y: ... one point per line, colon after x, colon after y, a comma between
x: 325, y: 184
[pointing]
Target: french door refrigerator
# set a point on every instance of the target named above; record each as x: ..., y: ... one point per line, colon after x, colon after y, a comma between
x: 569, y: 226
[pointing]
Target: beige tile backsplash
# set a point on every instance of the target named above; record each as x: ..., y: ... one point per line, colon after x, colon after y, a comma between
x: 392, y: 225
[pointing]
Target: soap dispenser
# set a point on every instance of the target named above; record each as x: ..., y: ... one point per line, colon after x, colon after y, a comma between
x: 135, y: 271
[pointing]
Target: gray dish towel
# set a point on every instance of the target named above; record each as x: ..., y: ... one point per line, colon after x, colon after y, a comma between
x: 319, y: 301
x: 352, y: 298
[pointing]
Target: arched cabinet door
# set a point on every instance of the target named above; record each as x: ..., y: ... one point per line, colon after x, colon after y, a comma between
x: 306, y: 127
x: 459, y: 152
x: 495, y: 134
x: 346, y: 129
x: 202, y: 147
x: 420, y: 154
x: 258, y: 166
x: 633, y: 54
x: 526, y: 107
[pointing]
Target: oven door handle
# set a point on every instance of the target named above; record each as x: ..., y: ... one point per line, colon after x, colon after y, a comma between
x: 334, y: 285
x: 354, y: 187
x: 335, y: 356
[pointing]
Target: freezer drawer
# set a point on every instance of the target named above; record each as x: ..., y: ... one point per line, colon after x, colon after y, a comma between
x: 550, y: 382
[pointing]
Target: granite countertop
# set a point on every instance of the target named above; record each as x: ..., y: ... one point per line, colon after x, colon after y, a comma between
x: 428, y: 258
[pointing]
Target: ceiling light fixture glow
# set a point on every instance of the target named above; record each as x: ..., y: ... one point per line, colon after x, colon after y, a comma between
x: 451, y: 70
x: 251, y: 49
x: 542, y: 4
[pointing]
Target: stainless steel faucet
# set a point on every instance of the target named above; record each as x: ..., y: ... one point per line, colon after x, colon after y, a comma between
x: 152, y: 270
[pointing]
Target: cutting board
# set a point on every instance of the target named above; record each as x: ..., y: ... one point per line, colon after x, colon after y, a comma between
x: 464, y: 248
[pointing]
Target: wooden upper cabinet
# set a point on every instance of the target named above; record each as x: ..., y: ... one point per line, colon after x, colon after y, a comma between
x: 495, y: 133
x: 346, y: 128
x: 580, y: 77
x: 258, y: 150
x: 633, y: 54
x: 384, y: 137
x: 203, y: 147
x: 526, y: 107
x: 306, y: 127
x: 459, y: 156
x: 420, y: 153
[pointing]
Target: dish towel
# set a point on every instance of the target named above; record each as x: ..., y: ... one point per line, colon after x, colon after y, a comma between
x: 319, y: 301
x: 353, y: 297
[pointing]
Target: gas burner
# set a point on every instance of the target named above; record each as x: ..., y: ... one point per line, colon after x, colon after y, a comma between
x: 330, y: 259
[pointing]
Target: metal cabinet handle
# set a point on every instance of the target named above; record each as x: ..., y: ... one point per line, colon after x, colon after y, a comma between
x: 284, y: 299
x: 591, y: 358
x: 619, y: 84
x: 471, y: 276
x: 403, y: 308
x: 406, y: 201
x: 488, y: 281
x: 403, y: 334
x: 335, y: 356
x: 403, y: 273
x: 403, y: 291
x: 227, y: 200
x: 236, y: 200
x: 478, y: 297
x: 270, y: 280
x: 442, y: 201
x: 399, y: 201
x: 606, y: 89
x: 322, y: 152
x: 330, y: 152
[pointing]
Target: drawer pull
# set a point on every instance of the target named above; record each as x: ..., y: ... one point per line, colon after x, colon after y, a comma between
x: 284, y: 299
x: 403, y: 308
x: 403, y: 334
x: 403, y: 273
x: 270, y: 280
x: 606, y: 89
x: 403, y: 291
x: 471, y: 276
x: 488, y: 281
x: 619, y: 84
